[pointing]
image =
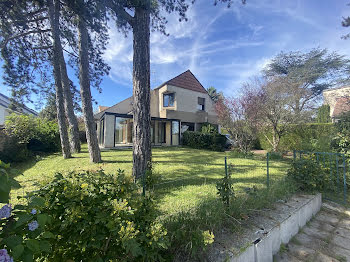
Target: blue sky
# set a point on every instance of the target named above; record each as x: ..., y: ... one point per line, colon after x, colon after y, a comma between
x: 225, y: 47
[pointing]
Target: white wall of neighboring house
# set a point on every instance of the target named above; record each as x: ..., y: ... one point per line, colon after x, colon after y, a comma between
x: 4, y: 109
x: 3, y: 114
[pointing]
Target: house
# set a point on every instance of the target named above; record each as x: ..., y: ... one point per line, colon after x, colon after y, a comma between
x: 5, y: 110
x: 338, y: 100
x: 180, y: 104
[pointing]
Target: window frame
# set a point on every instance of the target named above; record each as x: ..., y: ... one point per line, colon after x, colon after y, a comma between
x: 201, y: 107
x: 169, y: 94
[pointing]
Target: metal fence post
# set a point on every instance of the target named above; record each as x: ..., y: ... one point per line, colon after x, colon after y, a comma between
x: 337, y: 166
x: 330, y: 165
x: 226, y: 166
x: 267, y: 171
x: 294, y: 155
x: 344, y: 173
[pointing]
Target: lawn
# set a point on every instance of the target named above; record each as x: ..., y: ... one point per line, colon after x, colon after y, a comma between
x: 187, y: 175
x: 186, y: 193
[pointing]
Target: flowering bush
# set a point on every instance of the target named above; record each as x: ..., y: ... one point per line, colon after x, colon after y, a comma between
x: 101, y: 217
x: 22, y: 228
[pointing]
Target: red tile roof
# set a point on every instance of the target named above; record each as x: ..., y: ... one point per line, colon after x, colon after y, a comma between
x: 186, y: 80
x: 342, y: 105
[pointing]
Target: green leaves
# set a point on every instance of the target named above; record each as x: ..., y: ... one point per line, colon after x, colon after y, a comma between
x: 23, y: 218
x: 17, y: 251
x: 42, y: 219
x: 13, y: 241
x: 33, y: 245
x: 95, y: 211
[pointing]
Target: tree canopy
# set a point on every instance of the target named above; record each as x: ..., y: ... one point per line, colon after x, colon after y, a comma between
x: 308, y: 74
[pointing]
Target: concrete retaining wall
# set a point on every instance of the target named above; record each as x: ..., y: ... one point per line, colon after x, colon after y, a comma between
x: 268, y: 246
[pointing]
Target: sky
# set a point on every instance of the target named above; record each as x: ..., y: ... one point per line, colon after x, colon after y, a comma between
x: 224, y: 47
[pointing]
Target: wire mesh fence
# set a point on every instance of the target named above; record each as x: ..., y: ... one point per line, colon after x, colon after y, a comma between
x: 336, y: 166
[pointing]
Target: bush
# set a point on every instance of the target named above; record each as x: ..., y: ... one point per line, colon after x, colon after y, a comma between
x: 211, y: 141
x: 341, y: 141
x: 309, y: 137
x: 101, y: 217
x: 22, y: 236
x: 310, y: 176
x: 11, y: 150
x: 39, y: 135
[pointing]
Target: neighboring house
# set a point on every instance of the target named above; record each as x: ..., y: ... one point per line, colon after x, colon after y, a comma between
x: 338, y: 100
x: 5, y: 110
x: 177, y: 105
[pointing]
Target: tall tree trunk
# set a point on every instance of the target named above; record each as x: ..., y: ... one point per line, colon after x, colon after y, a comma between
x: 69, y: 108
x: 275, y: 140
x: 58, y: 83
x: 141, y: 92
x: 85, y: 92
x: 67, y: 93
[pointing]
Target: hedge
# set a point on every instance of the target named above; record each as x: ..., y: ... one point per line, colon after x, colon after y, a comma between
x: 310, y: 137
x: 215, y: 142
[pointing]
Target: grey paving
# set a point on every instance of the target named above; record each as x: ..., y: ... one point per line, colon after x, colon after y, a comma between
x: 326, y: 238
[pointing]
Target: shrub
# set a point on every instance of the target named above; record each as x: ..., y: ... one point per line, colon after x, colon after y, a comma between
x: 341, y: 141
x: 310, y: 137
x: 209, y: 129
x: 310, y: 176
x: 225, y: 187
x: 101, y: 217
x: 22, y: 236
x: 211, y: 141
x: 11, y: 150
x: 39, y: 135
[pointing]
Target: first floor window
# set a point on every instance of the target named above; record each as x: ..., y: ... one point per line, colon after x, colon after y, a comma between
x: 201, y: 104
x: 168, y: 99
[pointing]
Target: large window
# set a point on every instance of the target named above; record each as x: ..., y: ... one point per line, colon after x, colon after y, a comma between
x: 168, y: 99
x: 201, y: 104
x: 161, y: 132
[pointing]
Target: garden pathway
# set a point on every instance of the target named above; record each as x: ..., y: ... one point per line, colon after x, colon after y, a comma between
x: 325, y: 238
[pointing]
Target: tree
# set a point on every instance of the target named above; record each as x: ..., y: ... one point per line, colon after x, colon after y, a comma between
x: 140, y: 17
x: 28, y: 58
x: 49, y: 112
x: 323, y: 114
x: 53, y: 8
x: 268, y: 107
x: 346, y: 23
x: 214, y: 95
x: 306, y: 75
x: 232, y: 116
x: 90, y: 23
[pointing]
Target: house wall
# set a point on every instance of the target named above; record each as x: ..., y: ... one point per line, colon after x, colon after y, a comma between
x: 330, y: 96
x: 185, y: 105
x: 3, y: 114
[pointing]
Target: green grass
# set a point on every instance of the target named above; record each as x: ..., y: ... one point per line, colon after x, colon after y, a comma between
x: 187, y: 175
x: 186, y: 193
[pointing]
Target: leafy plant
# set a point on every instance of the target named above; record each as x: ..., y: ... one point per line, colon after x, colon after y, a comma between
x: 310, y: 176
x: 23, y: 236
x: 211, y: 141
x: 225, y: 187
x: 341, y: 141
x: 102, y: 217
x: 37, y: 133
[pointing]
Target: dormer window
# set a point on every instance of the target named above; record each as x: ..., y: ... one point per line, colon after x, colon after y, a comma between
x: 168, y: 99
x: 201, y: 104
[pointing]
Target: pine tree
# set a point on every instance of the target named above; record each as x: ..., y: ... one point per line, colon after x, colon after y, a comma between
x: 146, y: 15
